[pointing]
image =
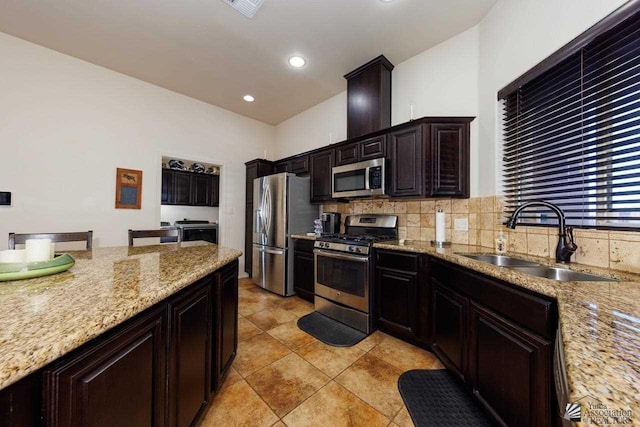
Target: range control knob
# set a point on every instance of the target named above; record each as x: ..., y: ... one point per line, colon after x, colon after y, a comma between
x: 358, y: 250
x: 352, y: 249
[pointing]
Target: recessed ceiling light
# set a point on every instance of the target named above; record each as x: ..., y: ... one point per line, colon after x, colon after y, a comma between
x: 248, y: 98
x: 297, y: 61
x: 386, y: 1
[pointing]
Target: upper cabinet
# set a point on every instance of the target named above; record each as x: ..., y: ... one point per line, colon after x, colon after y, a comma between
x: 370, y: 83
x: 189, y: 189
x: 449, y: 160
x: 320, y: 171
x: 430, y: 159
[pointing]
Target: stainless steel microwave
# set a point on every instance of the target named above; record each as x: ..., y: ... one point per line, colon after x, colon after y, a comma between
x: 362, y: 179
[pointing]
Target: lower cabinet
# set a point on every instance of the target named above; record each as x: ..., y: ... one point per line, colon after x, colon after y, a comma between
x: 158, y: 369
x: 189, y: 354
x: 509, y: 369
x: 401, y: 295
x: 498, y: 340
x: 449, y: 328
x: 118, y: 381
x: 225, y: 324
x: 304, y: 269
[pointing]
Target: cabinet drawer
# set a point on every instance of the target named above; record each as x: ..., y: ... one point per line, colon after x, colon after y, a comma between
x: 303, y: 245
x: 299, y: 165
x: 373, y: 148
x: 347, y: 154
x: 398, y: 260
x: 533, y: 311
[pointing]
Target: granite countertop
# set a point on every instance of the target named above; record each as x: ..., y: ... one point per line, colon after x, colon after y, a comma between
x: 45, y: 318
x: 600, y: 322
x: 303, y: 236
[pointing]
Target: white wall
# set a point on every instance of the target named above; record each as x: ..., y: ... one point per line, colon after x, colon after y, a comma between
x: 322, y: 124
x: 66, y: 125
x: 515, y: 36
x: 441, y: 81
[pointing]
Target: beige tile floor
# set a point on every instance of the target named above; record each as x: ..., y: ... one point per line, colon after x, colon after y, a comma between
x: 284, y: 377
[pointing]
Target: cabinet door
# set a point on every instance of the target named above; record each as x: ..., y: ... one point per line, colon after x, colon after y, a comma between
x: 226, y: 323
x: 168, y: 187
x: 215, y: 190
x: 282, y: 167
x: 373, y: 148
x: 303, y: 274
x: 200, y: 190
x: 321, y: 188
x: 189, y: 357
x: 346, y: 154
x: 449, y: 328
x: 406, y: 151
x: 182, y: 195
x: 397, y: 302
x: 119, y: 381
x: 299, y: 165
x: 508, y: 369
x: 449, y: 160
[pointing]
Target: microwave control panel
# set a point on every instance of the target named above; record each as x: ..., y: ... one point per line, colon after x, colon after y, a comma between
x: 375, y: 177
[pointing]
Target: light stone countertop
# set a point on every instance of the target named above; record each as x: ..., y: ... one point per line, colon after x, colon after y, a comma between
x: 600, y: 322
x: 45, y: 318
x: 303, y: 236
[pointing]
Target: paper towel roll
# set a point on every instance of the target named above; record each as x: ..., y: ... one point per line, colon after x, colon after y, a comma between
x: 440, y: 233
x: 38, y: 250
x: 13, y: 255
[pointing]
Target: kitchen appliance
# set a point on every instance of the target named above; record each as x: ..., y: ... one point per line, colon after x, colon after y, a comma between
x: 344, y: 269
x: 198, y: 230
x: 281, y: 208
x: 362, y: 179
x: 330, y: 222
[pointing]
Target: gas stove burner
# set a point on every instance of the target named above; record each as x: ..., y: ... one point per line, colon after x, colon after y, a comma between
x: 354, y: 239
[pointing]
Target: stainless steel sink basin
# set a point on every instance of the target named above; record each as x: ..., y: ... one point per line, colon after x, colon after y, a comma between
x: 561, y: 274
x: 501, y: 260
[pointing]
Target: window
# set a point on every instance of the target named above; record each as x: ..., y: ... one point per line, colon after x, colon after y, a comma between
x: 571, y: 132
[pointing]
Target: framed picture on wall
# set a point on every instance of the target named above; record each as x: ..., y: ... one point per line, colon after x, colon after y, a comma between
x: 128, y: 189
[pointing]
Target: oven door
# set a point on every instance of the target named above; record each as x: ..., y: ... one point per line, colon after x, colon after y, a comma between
x: 343, y: 278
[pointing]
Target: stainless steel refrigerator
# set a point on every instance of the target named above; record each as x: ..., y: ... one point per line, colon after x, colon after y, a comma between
x: 281, y: 208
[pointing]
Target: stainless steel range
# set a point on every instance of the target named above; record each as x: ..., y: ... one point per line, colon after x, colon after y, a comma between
x: 344, y: 269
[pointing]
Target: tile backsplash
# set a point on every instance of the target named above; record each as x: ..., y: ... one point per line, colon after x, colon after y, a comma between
x: 416, y: 221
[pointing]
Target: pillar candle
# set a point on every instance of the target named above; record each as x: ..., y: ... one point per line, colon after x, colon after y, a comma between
x: 38, y: 250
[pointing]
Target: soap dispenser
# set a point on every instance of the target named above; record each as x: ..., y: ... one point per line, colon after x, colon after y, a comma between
x: 501, y: 243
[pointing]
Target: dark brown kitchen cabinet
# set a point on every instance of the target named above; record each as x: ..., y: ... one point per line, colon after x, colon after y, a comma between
x: 320, y: 172
x: 189, y: 188
x: 282, y: 167
x: 189, y: 354
x: 346, y: 154
x: 407, y: 166
x: 299, y: 165
x: 182, y: 188
x: 449, y: 160
x: 369, y: 97
x: 168, y: 185
x: 255, y: 169
x: 200, y: 190
x: 303, y: 269
x: 498, y: 339
x: 225, y: 323
x: 372, y: 148
x: 449, y: 328
x: 401, y: 291
x: 509, y: 369
x: 118, y: 381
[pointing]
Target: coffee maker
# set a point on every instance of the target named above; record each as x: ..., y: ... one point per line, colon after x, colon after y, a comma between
x: 330, y: 223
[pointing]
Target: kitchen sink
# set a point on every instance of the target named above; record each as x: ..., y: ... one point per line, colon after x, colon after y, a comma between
x: 561, y: 274
x: 501, y: 260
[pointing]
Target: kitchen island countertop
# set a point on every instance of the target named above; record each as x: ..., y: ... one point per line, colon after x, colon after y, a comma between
x: 45, y: 318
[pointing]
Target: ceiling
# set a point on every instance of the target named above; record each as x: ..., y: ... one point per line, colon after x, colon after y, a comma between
x: 209, y: 51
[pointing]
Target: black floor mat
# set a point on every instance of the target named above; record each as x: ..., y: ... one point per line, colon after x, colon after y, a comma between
x: 437, y: 398
x: 330, y: 331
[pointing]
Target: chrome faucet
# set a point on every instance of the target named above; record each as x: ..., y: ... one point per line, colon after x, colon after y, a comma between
x: 566, y: 246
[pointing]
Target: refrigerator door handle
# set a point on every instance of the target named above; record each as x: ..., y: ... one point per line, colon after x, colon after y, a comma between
x: 272, y: 251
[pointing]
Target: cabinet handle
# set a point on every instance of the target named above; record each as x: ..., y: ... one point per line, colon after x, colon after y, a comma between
x: 402, y: 279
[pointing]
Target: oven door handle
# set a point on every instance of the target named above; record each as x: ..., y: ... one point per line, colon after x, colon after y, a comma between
x: 328, y: 254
